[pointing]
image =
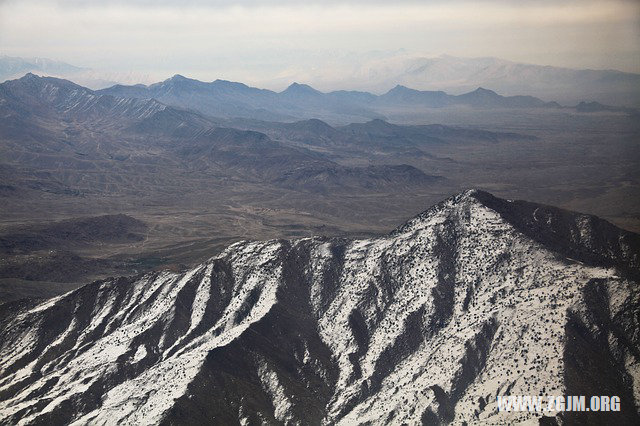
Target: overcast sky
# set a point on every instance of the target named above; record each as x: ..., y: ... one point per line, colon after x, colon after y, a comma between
x: 244, y: 39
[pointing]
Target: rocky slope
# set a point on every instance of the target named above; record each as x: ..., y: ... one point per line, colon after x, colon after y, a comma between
x: 474, y: 298
x: 46, y: 96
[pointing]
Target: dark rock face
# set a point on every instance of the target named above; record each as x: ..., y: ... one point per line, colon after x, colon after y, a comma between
x: 475, y: 298
x: 596, y: 361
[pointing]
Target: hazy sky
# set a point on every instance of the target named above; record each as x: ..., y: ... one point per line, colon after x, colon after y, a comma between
x: 250, y: 40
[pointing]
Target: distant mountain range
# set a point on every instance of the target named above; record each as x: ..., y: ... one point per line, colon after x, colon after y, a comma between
x: 379, y: 72
x: 565, y: 85
x: 47, y: 121
x: 300, y: 101
x: 12, y: 67
x: 226, y: 99
x: 187, y: 124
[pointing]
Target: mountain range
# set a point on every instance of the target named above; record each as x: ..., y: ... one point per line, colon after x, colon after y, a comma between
x: 226, y: 99
x: 476, y: 297
x: 562, y: 84
x: 51, y: 120
x: 324, y: 317
x: 300, y: 101
x: 47, y: 122
x: 378, y: 72
x: 195, y: 182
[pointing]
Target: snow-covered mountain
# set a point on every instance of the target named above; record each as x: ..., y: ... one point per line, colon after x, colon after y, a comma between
x: 474, y: 298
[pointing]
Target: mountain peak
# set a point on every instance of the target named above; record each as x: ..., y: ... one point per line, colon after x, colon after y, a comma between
x: 177, y: 81
x: 34, y: 79
x: 474, y: 193
x: 301, y: 89
x: 483, y: 91
x: 377, y: 126
x: 312, y: 124
x: 31, y: 77
x: 399, y: 88
x: 379, y: 122
x: 403, y: 94
x: 178, y: 77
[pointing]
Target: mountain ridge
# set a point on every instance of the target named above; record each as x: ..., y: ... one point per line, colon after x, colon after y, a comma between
x: 229, y: 100
x: 237, y: 100
x: 383, y: 70
x: 439, y: 98
x: 148, y: 128
x: 427, y: 324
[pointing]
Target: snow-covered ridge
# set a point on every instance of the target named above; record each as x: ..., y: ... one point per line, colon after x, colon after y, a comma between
x: 426, y: 325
